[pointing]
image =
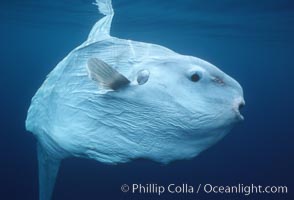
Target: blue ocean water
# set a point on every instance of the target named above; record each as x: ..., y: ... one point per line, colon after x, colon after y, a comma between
x: 249, y: 40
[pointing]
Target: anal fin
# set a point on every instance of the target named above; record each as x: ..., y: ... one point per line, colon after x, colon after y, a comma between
x: 48, y: 169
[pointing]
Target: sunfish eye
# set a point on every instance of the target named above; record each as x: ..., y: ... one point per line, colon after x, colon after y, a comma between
x: 195, y: 77
x: 142, y: 76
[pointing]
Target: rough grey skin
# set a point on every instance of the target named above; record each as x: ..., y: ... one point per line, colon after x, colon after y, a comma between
x: 116, y: 100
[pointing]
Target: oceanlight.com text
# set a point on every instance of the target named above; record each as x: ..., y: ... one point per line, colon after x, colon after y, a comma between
x: 185, y: 188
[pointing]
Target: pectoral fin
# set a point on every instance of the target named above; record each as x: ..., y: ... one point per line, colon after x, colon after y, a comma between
x: 105, y: 75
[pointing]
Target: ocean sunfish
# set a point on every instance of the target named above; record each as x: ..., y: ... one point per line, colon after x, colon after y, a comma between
x: 116, y: 100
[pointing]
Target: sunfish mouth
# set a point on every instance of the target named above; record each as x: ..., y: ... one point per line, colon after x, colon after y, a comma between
x: 238, y: 105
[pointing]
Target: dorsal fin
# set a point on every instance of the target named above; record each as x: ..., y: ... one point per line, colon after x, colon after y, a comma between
x: 101, y: 29
x: 105, y: 75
